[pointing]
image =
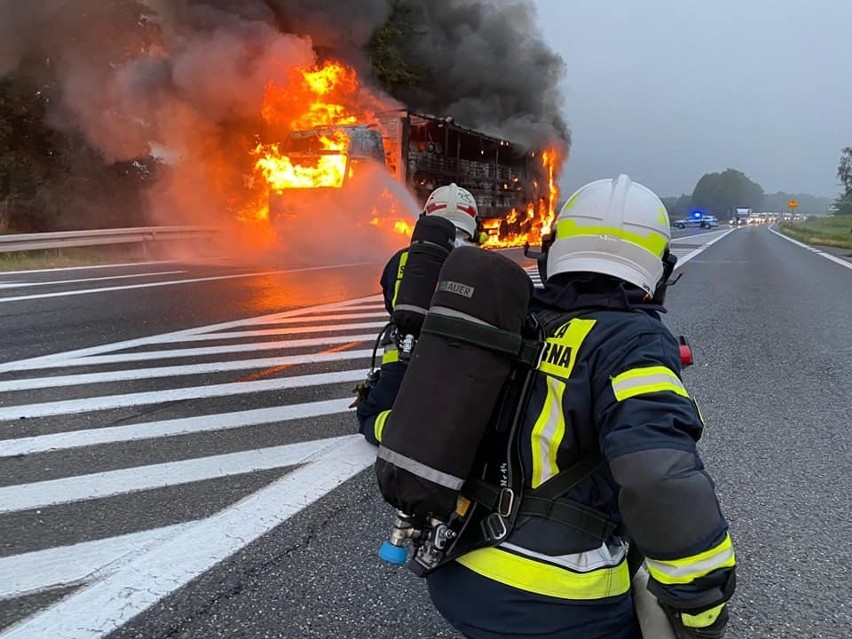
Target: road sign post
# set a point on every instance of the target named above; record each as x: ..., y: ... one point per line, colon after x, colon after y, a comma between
x: 792, y: 205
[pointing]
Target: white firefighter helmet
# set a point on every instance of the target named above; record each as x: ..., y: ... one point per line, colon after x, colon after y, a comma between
x: 615, y: 227
x: 455, y: 204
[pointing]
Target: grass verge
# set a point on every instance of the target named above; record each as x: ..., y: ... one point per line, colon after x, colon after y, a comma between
x: 64, y: 258
x: 831, y: 230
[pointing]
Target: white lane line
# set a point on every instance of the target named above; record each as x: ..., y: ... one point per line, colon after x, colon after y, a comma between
x: 145, y: 356
x: 96, y: 610
x: 175, y: 282
x: 318, y: 318
x: 169, y: 428
x: 57, y: 381
x: 86, y: 268
x: 301, y: 330
x: 815, y: 250
x: 52, y: 492
x: 683, y: 260
x: 4, y: 285
x: 107, y: 402
x: 32, y: 572
x: 47, y: 361
x: 679, y: 253
x: 703, y: 237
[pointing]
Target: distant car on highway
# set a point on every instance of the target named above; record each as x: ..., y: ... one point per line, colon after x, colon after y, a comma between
x: 697, y: 220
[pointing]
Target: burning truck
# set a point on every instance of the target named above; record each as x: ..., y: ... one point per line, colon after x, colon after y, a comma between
x: 319, y: 162
x: 513, y: 187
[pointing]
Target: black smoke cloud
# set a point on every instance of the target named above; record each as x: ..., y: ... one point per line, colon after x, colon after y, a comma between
x: 486, y: 64
x: 482, y: 62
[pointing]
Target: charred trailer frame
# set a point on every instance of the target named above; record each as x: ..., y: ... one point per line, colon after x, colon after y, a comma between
x: 426, y: 152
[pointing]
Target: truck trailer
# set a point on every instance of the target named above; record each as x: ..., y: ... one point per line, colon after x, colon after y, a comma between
x: 512, y: 185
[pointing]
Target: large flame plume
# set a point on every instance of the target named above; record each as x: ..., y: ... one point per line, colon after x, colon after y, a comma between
x: 321, y: 98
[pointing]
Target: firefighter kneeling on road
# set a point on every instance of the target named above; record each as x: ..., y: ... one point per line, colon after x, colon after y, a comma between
x: 375, y: 397
x: 609, y: 387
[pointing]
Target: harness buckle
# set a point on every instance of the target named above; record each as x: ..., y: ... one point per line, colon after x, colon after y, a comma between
x: 494, y: 528
x: 505, y: 502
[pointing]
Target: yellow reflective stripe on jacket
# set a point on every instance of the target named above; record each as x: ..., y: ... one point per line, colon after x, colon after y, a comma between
x: 400, y: 271
x: 560, y: 351
x: 653, y: 242
x: 547, y: 434
x: 390, y: 356
x: 379, y: 424
x: 688, y: 569
x: 649, y: 379
x: 541, y: 578
x: 702, y: 619
x: 557, y: 361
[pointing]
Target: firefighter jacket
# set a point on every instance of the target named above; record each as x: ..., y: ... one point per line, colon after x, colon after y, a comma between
x: 610, y: 382
x: 373, y: 412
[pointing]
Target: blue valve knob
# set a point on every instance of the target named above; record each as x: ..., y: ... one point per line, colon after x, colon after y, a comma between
x: 395, y: 555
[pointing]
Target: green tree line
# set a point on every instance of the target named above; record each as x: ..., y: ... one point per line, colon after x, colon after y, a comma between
x: 843, y: 205
x: 720, y: 194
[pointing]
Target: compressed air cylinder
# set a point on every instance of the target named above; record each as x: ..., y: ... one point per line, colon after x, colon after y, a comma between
x: 453, y: 384
x: 432, y: 240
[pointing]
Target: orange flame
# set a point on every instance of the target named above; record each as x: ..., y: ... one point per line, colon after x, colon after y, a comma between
x: 403, y: 228
x: 539, y: 218
x: 281, y: 172
x: 315, y: 99
x: 324, y: 90
x: 549, y: 159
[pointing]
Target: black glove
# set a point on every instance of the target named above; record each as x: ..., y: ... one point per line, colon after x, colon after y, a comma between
x: 362, y: 390
x: 716, y: 630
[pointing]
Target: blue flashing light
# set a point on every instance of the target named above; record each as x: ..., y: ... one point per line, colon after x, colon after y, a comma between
x: 697, y: 215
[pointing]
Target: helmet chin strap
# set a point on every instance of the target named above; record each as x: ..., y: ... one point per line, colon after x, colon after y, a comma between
x: 669, y: 263
x: 540, y: 257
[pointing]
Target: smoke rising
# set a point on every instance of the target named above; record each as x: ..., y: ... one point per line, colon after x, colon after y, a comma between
x: 184, y: 80
x: 487, y: 65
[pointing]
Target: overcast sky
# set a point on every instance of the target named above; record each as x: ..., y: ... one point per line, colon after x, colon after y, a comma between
x: 667, y: 90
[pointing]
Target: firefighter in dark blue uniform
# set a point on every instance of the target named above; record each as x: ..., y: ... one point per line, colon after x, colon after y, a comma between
x: 609, y: 385
x: 376, y: 398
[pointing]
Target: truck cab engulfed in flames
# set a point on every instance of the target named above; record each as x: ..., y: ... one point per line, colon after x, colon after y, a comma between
x: 513, y: 187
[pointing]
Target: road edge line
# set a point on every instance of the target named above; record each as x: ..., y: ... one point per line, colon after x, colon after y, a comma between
x: 813, y: 249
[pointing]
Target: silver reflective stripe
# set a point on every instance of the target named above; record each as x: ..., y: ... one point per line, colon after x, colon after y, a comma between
x: 606, y: 556
x: 421, y: 470
x: 410, y: 308
x: 695, y: 568
x: 625, y: 387
x: 451, y: 312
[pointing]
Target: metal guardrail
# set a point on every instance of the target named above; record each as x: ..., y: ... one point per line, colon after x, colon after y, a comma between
x: 102, y: 237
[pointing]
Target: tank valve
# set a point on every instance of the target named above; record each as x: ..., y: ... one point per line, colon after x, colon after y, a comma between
x: 393, y: 550
x: 407, y: 347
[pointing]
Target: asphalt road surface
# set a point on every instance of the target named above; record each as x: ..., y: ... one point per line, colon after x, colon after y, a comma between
x: 177, y: 459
